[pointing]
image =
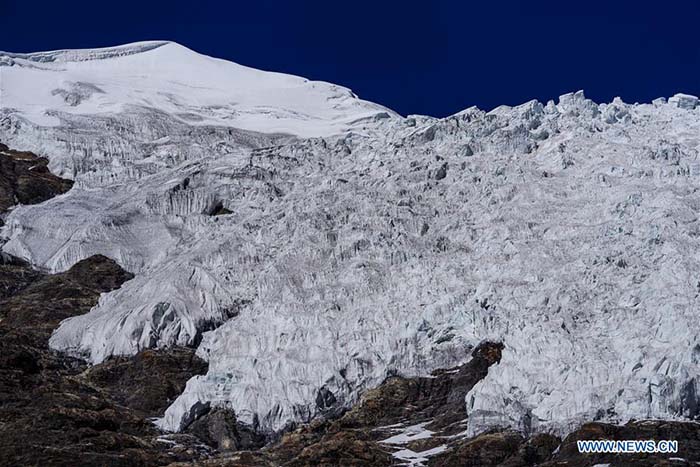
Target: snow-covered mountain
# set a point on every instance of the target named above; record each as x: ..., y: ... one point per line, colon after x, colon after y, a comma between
x: 196, y: 89
x: 307, y: 240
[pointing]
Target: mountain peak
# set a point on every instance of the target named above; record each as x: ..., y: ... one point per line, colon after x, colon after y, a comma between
x: 163, y: 76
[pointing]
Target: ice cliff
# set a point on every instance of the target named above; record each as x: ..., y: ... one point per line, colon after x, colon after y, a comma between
x: 306, y: 240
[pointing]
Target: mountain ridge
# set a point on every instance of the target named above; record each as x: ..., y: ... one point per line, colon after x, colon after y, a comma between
x: 99, y: 53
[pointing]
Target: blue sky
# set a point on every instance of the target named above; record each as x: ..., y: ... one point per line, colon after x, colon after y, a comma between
x: 430, y: 57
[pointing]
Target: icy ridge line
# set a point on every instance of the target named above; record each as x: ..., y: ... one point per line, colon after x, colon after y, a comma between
x: 82, y: 55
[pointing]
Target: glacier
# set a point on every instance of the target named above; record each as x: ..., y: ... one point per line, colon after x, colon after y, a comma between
x: 305, y: 240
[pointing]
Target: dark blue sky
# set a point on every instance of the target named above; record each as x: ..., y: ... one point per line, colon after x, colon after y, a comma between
x: 432, y: 57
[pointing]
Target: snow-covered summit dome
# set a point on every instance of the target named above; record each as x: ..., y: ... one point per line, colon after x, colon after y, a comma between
x: 168, y: 77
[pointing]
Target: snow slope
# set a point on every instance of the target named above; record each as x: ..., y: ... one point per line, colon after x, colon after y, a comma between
x: 167, y: 76
x: 567, y: 231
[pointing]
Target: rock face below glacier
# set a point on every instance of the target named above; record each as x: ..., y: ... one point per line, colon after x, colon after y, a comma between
x: 380, y: 246
x: 51, y: 412
x: 25, y: 179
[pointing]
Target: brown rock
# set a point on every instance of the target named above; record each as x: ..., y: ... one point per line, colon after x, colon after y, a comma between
x: 343, y: 448
x: 149, y: 381
x: 490, y: 449
x: 25, y: 179
x: 220, y: 429
x: 40, y: 302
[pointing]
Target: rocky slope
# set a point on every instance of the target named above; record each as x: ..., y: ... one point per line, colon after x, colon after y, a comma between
x: 47, y: 414
x: 25, y: 179
x: 311, y: 245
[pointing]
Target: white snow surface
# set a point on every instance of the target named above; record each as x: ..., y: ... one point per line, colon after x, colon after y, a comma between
x: 194, y: 88
x: 409, y: 457
x: 361, y: 244
x: 410, y: 433
x: 407, y: 435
